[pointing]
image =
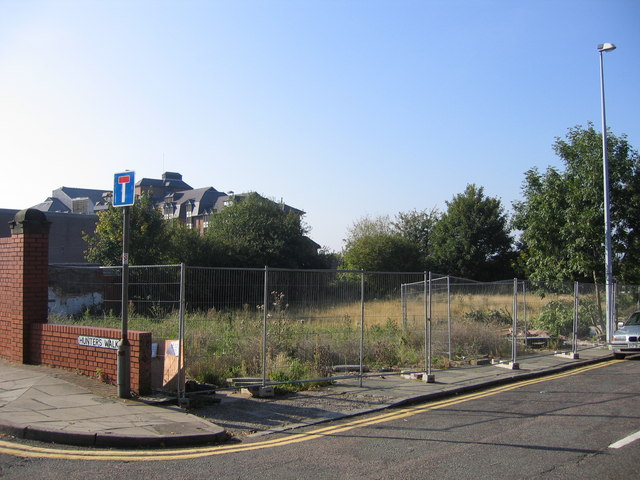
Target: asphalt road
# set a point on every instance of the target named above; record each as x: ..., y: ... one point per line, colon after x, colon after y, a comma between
x: 555, y: 427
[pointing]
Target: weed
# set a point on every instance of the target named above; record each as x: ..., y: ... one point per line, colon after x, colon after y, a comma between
x: 101, y: 375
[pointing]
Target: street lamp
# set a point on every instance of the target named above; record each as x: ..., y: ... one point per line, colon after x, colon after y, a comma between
x: 608, y: 255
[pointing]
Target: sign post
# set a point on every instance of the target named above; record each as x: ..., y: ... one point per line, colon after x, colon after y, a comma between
x: 123, y: 196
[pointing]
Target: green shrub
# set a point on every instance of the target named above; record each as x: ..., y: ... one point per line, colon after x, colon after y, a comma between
x: 556, y: 318
x: 490, y: 316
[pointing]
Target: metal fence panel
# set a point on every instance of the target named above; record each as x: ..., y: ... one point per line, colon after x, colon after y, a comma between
x: 278, y: 325
x: 313, y: 323
x: 223, y: 323
x: 393, y: 335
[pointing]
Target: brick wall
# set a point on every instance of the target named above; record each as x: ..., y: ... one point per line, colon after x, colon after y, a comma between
x: 11, y: 299
x: 25, y: 336
x: 57, y: 346
x: 23, y: 296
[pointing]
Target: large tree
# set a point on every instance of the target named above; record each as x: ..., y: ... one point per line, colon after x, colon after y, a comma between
x: 147, y: 240
x: 377, y: 244
x: 186, y: 245
x: 417, y: 226
x: 365, y: 226
x: 561, y: 215
x: 382, y: 252
x: 255, y: 231
x: 472, y: 238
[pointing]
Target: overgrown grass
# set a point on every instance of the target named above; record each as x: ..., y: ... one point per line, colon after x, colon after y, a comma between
x: 306, y: 343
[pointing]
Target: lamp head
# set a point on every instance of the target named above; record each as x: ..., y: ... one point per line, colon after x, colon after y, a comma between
x: 606, y: 47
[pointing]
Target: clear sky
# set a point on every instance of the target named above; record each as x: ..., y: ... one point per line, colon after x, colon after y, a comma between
x: 342, y: 108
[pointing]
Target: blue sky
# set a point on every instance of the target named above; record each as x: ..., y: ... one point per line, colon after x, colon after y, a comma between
x: 342, y: 108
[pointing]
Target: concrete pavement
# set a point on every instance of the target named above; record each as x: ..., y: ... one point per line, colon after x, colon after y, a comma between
x: 52, y: 405
x: 46, y: 404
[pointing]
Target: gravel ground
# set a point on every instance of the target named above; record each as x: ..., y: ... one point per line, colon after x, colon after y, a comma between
x: 242, y: 415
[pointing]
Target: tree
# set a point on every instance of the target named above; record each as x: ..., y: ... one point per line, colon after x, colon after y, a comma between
x: 255, y: 231
x: 186, y: 245
x: 471, y: 239
x: 562, y: 217
x: 541, y: 217
x: 374, y: 244
x: 147, y: 239
x: 366, y: 225
x: 417, y: 226
x: 382, y: 252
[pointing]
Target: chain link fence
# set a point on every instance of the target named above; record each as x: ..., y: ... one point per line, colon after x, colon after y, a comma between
x: 270, y: 326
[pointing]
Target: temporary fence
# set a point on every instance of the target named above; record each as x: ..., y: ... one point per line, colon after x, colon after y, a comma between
x: 266, y: 326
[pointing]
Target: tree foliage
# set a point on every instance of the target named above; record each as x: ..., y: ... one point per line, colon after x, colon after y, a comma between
x: 562, y: 217
x: 382, y: 252
x: 376, y: 244
x: 255, y: 232
x: 186, y: 245
x: 417, y: 226
x: 472, y: 238
x: 367, y: 226
x: 147, y: 235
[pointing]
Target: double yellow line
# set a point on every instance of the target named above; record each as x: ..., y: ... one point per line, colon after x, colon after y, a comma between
x: 27, y: 451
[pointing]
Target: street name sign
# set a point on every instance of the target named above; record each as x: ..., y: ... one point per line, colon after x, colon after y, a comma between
x: 98, y: 342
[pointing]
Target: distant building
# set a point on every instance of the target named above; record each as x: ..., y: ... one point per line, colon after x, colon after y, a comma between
x: 83, y: 201
x: 159, y: 188
x: 73, y: 214
x: 191, y: 206
x: 73, y: 211
x: 66, y: 244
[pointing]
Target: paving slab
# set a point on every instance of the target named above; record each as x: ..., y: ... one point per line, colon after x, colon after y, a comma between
x: 37, y: 403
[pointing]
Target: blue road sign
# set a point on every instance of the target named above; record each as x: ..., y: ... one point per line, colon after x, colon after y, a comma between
x: 123, y: 189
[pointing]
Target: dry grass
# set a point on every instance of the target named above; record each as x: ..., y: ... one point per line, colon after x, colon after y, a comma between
x: 307, y: 341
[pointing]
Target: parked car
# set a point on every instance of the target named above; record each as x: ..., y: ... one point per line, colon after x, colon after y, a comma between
x: 626, y: 339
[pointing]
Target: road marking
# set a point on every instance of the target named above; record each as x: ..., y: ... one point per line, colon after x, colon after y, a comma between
x: 28, y: 451
x: 625, y: 441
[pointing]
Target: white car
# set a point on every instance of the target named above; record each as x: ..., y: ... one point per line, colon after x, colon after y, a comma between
x: 626, y: 339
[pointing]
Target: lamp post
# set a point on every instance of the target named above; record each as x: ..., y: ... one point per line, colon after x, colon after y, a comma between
x: 608, y: 255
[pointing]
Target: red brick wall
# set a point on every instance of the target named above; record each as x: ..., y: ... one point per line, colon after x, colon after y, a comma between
x: 23, y: 295
x: 11, y: 299
x: 57, y: 346
x: 25, y: 336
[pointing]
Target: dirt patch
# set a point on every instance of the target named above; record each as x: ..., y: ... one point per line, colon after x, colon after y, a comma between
x: 242, y: 415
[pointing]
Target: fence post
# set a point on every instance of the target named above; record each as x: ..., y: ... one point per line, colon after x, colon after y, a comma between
x: 425, y: 305
x: 265, y: 310
x: 181, y: 328
x: 361, y: 360
x: 614, y: 310
x: 576, y: 317
x: 403, y: 301
x: 524, y: 311
x: 514, y: 328
x: 449, y: 315
x: 427, y: 325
